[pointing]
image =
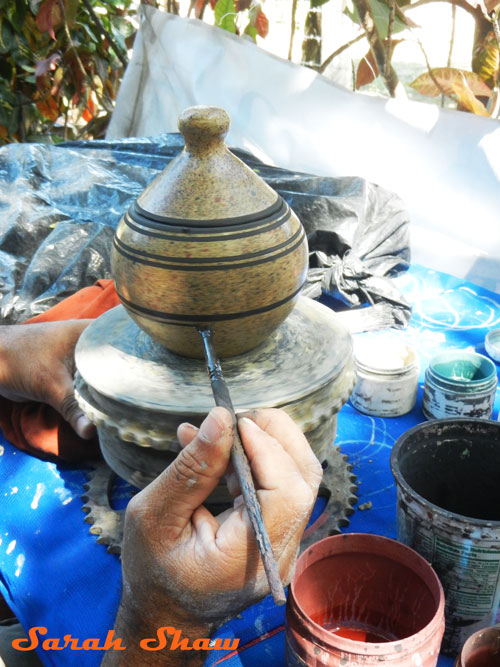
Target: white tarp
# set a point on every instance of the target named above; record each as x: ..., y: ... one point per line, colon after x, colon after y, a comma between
x: 444, y: 164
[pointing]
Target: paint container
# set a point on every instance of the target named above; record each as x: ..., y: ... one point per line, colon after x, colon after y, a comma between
x: 363, y: 599
x: 492, y: 345
x: 387, y: 377
x: 482, y: 649
x: 447, y: 476
x: 459, y: 384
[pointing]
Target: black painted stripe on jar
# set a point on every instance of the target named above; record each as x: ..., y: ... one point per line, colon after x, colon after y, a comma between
x: 190, y: 320
x: 258, y: 217
x: 206, y: 260
x: 185, y: 267
x: 189, y: 234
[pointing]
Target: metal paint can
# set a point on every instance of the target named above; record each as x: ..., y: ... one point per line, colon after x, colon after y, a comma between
x: 492, y: 344
x: 459, y: 383
x: 387, y: 377
x: 447, y: 476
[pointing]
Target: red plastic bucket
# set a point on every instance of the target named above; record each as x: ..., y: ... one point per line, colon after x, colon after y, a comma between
x: 381, y: 596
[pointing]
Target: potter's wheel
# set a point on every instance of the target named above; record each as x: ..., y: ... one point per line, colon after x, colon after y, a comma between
x: 137, y: 392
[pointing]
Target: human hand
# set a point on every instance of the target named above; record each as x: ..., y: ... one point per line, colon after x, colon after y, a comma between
x: 183, y: 567
x: 37, y: 364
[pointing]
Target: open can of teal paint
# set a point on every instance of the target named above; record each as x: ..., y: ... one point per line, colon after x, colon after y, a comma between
x: 459, y: 383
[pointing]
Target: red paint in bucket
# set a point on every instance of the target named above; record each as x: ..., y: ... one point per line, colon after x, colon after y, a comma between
x: 385, y: 599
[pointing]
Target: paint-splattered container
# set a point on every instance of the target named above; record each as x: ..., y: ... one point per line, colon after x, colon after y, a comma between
x: 459, y: 384
x: 482, y: 649
x: 492, y: 344
x: 447, y: 475
x: 387, y: 377
x: 363, y: 600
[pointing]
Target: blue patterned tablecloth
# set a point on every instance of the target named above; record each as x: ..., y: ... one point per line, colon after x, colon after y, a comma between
x: 54, y: 574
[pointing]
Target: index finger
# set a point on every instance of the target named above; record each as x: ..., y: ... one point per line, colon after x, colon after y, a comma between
x: 285, y: 431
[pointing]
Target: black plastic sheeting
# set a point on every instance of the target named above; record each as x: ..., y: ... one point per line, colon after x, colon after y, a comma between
x: 59, y: 206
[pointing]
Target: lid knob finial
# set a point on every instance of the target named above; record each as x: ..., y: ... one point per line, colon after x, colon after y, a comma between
x: 202, y: 125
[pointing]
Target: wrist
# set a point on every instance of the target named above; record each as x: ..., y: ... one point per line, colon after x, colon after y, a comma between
x: 151, y: 638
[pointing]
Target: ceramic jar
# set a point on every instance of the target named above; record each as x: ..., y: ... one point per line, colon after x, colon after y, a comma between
x: 208, y: 243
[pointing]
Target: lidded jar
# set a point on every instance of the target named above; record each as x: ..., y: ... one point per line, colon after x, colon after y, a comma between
x: 387, y: 376
x: 209, y: 243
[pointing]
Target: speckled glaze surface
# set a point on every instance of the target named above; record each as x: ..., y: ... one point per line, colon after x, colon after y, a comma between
x: 209, y: 243
x: 137, y: 392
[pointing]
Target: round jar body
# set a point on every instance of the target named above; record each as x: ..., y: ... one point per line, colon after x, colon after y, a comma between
x: 383, y: 390
x: 242, y: 279
x: 209, y: 244
x: 385, y: 394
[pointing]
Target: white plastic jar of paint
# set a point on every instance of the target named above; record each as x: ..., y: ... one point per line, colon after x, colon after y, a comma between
x: 387, y: 381
x: 459, y: 383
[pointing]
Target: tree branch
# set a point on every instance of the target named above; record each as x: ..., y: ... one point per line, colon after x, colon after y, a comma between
x: 85, y: 75
x: 292, y: 28
x: 452, y: 42
x: 495, y: 107
x: 463, y: 4
x: 429, y: 69
x: 98, y: 23
x: 339, y: 51
x: 390, y: 27
x: 385, y: 68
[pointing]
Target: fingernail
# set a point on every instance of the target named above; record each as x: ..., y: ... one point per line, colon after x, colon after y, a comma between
x: 84, y: 427
x: 187, y: 425
x: 210, y: 429
x: 246, y: 420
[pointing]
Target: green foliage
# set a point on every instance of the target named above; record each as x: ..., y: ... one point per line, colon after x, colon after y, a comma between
x: 225, y: 15
x: 380, y: 12
x: 485, y: 60
x: 59, y: 73
x: 228, y: 13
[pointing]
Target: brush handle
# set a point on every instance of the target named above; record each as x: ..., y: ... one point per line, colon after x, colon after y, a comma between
x: 243, y: 471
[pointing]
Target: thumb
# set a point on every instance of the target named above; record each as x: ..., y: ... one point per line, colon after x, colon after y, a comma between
x: 198, y: 468
x: 65, y: 403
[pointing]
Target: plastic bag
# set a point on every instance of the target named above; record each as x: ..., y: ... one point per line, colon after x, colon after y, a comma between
x: 59, y: 206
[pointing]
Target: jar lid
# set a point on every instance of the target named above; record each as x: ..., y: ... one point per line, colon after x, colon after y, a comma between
x: 492, y: 344
x: 206, y: 185
x: 384, y: 355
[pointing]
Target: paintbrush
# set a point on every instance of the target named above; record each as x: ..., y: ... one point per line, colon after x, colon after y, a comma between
x: 242, y: 469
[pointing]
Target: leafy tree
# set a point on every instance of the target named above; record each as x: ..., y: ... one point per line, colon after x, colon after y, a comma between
x: 61, y: 62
